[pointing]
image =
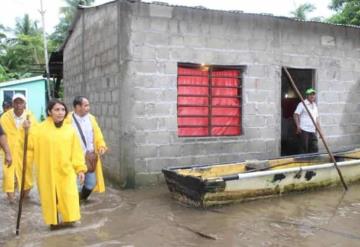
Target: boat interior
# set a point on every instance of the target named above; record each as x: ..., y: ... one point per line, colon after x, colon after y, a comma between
x: 220, y: 170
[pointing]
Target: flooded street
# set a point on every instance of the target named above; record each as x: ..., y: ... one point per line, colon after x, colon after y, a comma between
x: 150, y: 217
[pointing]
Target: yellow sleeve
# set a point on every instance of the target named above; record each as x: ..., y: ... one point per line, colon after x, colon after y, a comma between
x: 78, y: 158
x: 99, y: 138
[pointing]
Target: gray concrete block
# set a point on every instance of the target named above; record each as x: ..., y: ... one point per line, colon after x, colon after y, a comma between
x: 157, y: 138
x: 146, y: 124
x: 148, y: 151
x: 158, y: 109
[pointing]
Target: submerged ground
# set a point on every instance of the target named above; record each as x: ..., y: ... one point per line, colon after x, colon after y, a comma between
x: 149, y: 217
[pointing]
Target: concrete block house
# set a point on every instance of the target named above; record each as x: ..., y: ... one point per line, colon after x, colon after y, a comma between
x: 174, y: 85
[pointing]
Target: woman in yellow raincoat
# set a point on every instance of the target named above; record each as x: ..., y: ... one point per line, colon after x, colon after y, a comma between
x: 58, y: 158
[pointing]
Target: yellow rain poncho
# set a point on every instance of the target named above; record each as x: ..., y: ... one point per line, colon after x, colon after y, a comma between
x: 58, y: 158
x: 15, y: 137
x: 98, y: 143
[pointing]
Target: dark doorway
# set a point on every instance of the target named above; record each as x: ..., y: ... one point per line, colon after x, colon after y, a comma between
x: 303, y: 78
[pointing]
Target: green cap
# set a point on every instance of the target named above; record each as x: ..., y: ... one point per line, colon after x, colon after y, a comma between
x: 310, y: 91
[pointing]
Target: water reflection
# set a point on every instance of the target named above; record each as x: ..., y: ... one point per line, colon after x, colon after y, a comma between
x: 149, y: 217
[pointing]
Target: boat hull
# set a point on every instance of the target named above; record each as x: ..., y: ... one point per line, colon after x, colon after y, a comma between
x: 199, y: 192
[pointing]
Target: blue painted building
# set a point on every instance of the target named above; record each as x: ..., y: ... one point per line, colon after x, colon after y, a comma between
x: 33, y: 88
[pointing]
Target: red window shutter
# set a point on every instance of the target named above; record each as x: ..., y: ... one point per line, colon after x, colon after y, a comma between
x: 193, y: 102
x: 225, y: 103
x: 208, y: 109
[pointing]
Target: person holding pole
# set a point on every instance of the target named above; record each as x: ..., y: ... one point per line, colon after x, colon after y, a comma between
x: 317, y: 126
x: 13, y: 122
x: 5, y: 147
x: 92, y: 143
x: 59, y: 161
x: 304, y: 125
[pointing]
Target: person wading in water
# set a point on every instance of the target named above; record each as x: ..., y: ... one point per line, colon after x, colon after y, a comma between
x: 58, y: 160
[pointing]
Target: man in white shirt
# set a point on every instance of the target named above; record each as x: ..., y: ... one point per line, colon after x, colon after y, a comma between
x: 304, y: 126
x: 92, y: 141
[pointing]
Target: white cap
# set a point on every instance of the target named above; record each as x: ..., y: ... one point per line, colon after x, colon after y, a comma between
x: 18, y: 96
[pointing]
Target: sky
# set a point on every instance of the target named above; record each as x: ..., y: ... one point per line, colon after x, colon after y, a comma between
x: 12, y: 9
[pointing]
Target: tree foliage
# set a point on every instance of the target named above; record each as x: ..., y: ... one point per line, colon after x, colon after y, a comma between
x: 22, y: 55
x: 348, y: 12
x: 302, y: 10
x: 67, y: 16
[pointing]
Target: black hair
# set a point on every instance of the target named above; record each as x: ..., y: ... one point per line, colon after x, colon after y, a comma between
x: 6, y: 104
x: 52, y: 103
x: 78, y: 100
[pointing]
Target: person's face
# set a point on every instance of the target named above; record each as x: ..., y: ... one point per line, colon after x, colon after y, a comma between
x: 311, y: 97
x: 19, y: 106
x: 83, y: 109
x: 57, y: 113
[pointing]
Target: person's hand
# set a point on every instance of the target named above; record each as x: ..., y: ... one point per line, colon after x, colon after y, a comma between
x: 102, y: 150
x: 298, y: 130
x: 8, y: 159
x: 26, y: 124
x: 81, y: 177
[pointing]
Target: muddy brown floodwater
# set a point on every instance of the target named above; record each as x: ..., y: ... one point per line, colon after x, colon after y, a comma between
x: 150, y: 217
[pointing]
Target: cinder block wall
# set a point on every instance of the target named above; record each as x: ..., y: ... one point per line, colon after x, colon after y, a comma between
x: 151, y: 39
x: 95, y: 64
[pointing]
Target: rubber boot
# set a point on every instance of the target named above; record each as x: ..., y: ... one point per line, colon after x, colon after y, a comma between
x: 85, y: 193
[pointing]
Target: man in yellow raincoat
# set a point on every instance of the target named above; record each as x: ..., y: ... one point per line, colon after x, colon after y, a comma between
x: 58, y: 158
x: 91, y: 140
x: 13, y: 122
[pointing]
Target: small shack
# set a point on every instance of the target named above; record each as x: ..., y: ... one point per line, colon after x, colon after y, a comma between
x: 34, y: 89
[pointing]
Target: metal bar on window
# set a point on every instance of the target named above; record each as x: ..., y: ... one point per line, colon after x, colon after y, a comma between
x: 205, y: 126
x: 202, y: 85
x: 205, y: 76
x: 192, y: 116
x: 225, y: 106
x: 204, y: 116
x: 210, y: 100
x: 191, y: 105
x: 203, y: 95
x: 193, y: 95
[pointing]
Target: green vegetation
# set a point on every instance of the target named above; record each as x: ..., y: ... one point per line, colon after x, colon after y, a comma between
x: 22, y: 50
x: 22, y: 47
x: 347, y: 12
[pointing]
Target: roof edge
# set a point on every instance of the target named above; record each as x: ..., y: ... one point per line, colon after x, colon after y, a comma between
x: 81, y: 8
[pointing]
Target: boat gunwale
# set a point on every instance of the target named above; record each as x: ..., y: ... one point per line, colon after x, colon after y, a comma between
x: 250, y: 174
x: 296, y: 156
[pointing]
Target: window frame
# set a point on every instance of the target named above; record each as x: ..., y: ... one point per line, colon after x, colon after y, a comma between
x: 13, y: 90
x: 209, y: 106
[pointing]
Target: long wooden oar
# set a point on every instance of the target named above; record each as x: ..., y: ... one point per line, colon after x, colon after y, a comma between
x: 317, y: 128
x: 22, y: 193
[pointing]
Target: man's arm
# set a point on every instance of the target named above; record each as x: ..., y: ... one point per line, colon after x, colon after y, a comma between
x: 4, y: 145
x: 297, y: 123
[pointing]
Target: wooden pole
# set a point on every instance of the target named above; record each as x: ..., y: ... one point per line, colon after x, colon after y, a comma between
x: 42, y: 13
x: 317, y: 128
x: 22, y: 180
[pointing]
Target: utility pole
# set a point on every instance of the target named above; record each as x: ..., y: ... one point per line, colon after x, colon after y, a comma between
x: 42, y: 12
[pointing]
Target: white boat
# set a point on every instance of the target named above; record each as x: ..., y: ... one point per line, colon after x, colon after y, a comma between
x: 209, y: 185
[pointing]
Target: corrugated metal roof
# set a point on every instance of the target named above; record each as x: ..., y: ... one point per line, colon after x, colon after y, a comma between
x: 201, y: 8
x: 246, y: 13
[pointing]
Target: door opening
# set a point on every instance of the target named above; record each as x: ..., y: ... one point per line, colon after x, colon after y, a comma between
x: 303, y: 78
